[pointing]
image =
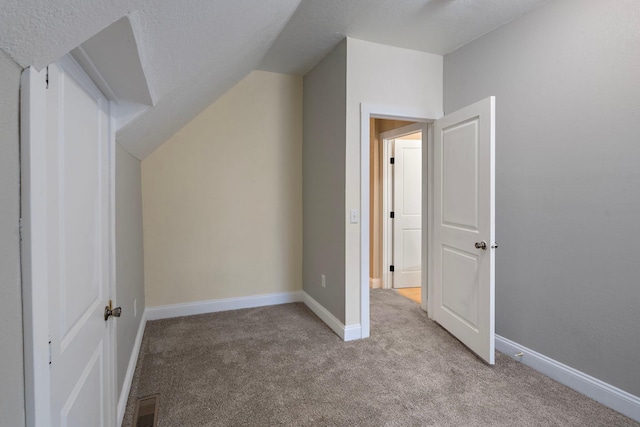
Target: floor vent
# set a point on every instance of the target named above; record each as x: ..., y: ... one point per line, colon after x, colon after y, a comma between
x: 146, y: 412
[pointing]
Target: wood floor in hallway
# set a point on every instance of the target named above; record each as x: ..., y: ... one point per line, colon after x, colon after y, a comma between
x: 414, y: 294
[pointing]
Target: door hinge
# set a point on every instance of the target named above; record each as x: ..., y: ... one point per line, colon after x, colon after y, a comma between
x: 49, y: 351
x: 47, y: 77
x: 392, y: 215
x: 391, y: 268
x: 393, y: 160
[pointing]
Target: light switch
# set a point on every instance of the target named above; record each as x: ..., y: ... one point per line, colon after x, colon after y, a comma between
x: 353, y: 216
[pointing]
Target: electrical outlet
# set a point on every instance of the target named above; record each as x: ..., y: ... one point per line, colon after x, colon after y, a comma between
x: 324, y: 280
x: 135, y: 308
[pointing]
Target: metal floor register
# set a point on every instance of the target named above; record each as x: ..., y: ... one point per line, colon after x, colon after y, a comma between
x: 146, y: 414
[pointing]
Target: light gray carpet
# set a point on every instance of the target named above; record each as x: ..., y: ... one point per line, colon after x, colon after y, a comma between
x: 281, y: 365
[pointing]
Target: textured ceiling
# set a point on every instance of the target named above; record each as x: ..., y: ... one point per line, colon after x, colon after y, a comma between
x: 37, y: 32
x: 192, y: 51
x: 434, y: 26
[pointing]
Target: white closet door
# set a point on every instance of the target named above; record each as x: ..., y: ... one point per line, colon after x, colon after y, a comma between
x: 407, y: 208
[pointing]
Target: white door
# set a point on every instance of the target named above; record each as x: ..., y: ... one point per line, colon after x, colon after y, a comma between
x: 73, y: 267
x: 407, y: 211
x: 464, y: 226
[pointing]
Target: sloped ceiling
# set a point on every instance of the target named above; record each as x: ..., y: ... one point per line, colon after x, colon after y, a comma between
x: 434, y: 26
x: 192, y: 51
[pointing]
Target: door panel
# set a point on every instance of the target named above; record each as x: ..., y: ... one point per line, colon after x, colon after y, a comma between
x: 407, y: 206
x: 84, y: 401
x: 459, y: 290
x: 460, y: 176
x: 78, y: 240
x: 463, y: 274
x: 81, y: 205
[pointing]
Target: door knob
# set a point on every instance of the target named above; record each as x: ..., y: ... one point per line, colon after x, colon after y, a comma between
x: 110, y: 311
x: 481, y: 245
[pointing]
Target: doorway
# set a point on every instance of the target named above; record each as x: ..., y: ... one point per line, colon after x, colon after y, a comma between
x: 458, y: 205
x: 396, y: 206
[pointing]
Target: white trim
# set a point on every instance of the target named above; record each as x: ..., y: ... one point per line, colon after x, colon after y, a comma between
x: 368, y: 111
x: 613, y: 397
x: 131, y: 368
x: 375, y: 283
x: 352, y: 332
x: 216, y: 305
x: 113, y: 326
x: 427, y: 220
x: 347, y: 333
x: 35, y: 285
x: 365, y: 268
x: 387, y: 225
x: 399, y: 112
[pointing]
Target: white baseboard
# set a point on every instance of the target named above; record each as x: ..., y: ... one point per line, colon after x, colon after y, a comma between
x: 226, y: 304
x: 352, y: 332
x: 128, y: 378
x: 375, y: 283
x: 608, y: 395
x: 347, y: 333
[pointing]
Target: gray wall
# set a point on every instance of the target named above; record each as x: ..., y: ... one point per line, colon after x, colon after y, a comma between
x: 11, y: 369
x: 129, y: 256
x: 323, y: 180
x: 567, y: 83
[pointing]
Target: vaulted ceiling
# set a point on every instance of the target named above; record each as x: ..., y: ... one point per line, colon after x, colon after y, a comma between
x: 192, y: 51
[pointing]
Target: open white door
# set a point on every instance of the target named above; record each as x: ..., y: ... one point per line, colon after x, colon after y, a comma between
x: 464, y: 226
x: 407, y: 210
x: 67, y: 262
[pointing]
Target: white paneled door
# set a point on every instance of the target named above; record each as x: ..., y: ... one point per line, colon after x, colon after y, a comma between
x: 464, y: 226
x: 70, y: 244
x: 407, y: 211
x: 78, y: 150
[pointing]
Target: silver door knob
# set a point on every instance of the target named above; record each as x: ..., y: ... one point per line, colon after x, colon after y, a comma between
x: 111, y: 311
x: 481, y: 245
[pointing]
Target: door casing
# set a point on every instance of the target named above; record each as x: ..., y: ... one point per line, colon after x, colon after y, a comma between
x: 425, y: 117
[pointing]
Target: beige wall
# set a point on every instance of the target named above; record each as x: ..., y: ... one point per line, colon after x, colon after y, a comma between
x: 222, y: 198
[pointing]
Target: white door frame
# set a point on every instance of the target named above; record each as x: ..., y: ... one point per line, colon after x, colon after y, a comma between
x: 33, y: 116
x: 387, y: 224
x: 394, y: 112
